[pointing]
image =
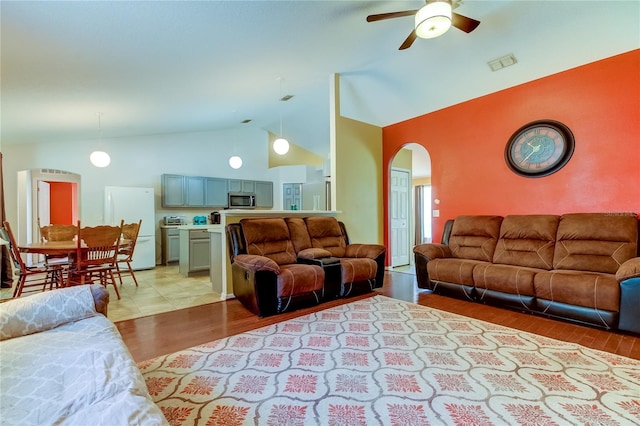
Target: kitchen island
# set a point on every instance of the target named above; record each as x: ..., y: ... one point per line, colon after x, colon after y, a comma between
x: 194, y: 248
x: 220, y: 266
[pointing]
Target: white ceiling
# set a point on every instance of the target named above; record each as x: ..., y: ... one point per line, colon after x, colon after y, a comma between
x: 153, y: 67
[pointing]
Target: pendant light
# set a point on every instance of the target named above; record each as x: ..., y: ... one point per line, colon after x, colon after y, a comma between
x: 281, y: 145
x: 235, y: 162
x: 100, y: 158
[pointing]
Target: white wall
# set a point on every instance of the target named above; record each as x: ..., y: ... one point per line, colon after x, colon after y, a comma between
x: 140, y: 161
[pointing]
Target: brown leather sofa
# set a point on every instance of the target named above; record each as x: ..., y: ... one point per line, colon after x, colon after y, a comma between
x: 266, y: 276
x: 582, y: 267
x: 325, y: 240
x: 277, y: 266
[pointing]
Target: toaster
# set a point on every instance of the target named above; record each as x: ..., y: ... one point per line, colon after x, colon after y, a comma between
x: 174, y: 220
x: 199, y: 220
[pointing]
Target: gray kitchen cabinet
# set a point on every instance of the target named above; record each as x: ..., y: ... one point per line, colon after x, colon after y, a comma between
x: 216, y: 192
x: 264, y: 194
x: 199, y: 258
x: 238, y: 185
x: 173, y: 191
x: 211, y: 192
x: 170, y: 245
x: 195, y: 191
x: 194, y: 251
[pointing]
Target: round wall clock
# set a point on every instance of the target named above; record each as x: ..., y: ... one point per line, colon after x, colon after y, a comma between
x: 539, y: 148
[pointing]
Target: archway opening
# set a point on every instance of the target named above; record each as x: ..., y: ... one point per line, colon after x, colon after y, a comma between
x: 409, y: 203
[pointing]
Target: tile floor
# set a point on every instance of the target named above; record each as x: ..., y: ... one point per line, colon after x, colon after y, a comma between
x: 161, y: 289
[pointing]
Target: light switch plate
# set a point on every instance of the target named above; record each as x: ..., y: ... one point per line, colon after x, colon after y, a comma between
x: 436, y: 213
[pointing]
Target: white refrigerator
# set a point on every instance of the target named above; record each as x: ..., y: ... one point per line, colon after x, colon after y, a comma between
x: 133, y: 204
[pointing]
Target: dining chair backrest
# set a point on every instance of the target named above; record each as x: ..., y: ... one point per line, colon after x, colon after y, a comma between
x: 130, y: 232
x: 13, y: 247
x: 58, y: 232
x: 98, y: 245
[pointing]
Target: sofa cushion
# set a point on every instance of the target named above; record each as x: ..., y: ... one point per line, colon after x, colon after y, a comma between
x: 459, y: 271
x: 269, y: 237
x: 325, y: 233
x: 299, y: 234
x: 475, y: 237
x: 589, y: 289
x: 297, y: 279
x: 597, y: 242
x: 527, y: 240
x: 358, y: 269
x: 505, y: 278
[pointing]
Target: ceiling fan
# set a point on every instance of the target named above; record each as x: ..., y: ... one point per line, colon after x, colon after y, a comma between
x: 432, y: 20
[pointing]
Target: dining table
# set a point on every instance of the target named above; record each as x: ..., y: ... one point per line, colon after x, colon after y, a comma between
x: 59, y: 248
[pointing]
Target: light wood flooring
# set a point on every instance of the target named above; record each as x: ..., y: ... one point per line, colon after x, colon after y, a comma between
x: 164, y: 333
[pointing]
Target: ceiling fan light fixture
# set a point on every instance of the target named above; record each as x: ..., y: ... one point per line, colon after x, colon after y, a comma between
x: 281, y: 146
x: 433, y: 20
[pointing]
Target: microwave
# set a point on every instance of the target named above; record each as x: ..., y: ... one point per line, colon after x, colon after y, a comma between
x: 242, y: 200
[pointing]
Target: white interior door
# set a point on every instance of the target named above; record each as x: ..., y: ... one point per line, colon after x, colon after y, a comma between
x: 291, y: 194
x: 399, y: 206
x: 44, y: 204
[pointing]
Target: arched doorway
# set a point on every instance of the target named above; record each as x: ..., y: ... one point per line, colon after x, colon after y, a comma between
x: 409, y: 203
x: 43, y: 195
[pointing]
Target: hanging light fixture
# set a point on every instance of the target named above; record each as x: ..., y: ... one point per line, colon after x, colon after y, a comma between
x: 235, y: 162
x: 433, y: 19
x: 281, y: 145
x: 100, y: 158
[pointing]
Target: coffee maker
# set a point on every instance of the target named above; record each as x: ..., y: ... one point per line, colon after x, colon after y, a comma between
x: 215, y: 218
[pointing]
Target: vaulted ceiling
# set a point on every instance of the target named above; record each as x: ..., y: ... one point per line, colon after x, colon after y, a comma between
x: 152, y: 67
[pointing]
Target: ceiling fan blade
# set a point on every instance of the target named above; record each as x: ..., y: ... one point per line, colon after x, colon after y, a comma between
x: 409, y: 41
x: 463, y: 23
x: 390, y: 15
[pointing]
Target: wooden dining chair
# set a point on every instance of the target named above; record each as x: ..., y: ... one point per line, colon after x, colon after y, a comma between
x: 130, y: 233
x: 29, y: 277
x: 96, y: 255
x: 58, y: 233
x: 53, y: 232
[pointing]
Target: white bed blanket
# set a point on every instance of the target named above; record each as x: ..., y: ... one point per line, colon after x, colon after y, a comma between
x: 78, y: 373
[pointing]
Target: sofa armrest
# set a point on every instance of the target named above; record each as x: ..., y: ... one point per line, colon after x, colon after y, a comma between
x: 372, y: 251
x: 432, y: 251
x: 44, y: 311
x: 423, y: 253
x: 256, y: 263
x: 100, y: 298
x: 629, y: 269
x: 314, y: 253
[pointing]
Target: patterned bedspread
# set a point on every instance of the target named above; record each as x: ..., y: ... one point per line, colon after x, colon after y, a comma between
x: 79, y: 373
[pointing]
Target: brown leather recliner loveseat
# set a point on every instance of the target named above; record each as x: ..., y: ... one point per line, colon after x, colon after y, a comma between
x: 582, y: 267
x: 279, y: 265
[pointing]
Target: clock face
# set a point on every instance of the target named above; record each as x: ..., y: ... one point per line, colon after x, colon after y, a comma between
x: 539, y: 148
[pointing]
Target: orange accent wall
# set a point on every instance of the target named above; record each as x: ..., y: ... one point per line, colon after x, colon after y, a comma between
x: 599, y: 102
x: 62, y: 199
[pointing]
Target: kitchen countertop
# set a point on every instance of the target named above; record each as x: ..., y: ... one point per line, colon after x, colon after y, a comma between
x: 258, y: 212
x: 199, y: 226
